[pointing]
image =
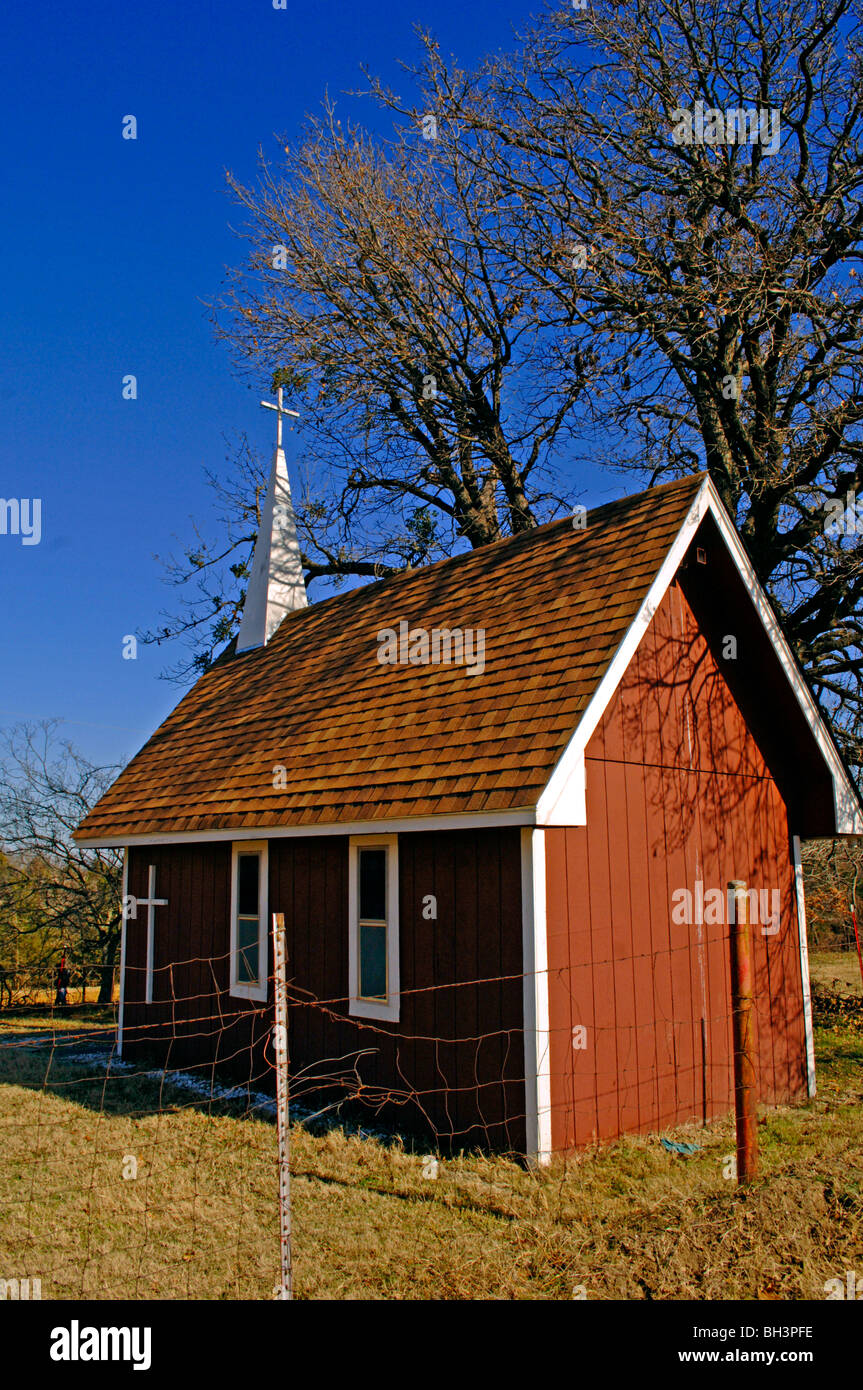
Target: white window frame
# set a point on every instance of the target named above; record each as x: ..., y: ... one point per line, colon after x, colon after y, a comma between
x: 368, y: 1008
x: 242, y: 989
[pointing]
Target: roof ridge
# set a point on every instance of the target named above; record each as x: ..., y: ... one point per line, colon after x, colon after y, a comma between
x: 531, y: 536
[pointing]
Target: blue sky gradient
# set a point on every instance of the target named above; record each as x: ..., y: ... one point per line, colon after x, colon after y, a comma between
x: 108, y: 248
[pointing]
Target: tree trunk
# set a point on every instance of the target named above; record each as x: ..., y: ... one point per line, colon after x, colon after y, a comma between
x: 106, y: 971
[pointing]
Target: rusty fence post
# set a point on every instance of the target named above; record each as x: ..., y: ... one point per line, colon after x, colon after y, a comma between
x: 743, y: 1023
x: 285, y: 1289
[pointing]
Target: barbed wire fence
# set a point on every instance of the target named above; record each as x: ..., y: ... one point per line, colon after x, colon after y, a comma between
x: 165, y: 1172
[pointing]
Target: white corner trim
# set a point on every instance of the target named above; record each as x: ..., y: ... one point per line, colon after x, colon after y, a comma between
x: 238, y: 990
x: 367, y: 1008
x: 563, y: 800
x: 804, y: 965
x: 537, y: 1060
x: 468, y: 820
x: 122, y: 1003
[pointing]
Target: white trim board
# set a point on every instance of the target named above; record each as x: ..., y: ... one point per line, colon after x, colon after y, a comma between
x: 804, y: 964
x: 256, y: 991
x: 537, y: 1060
x: 122, y: 1004
x: 563, y: 801
x: 477, y: 820
x: 369, y: 1008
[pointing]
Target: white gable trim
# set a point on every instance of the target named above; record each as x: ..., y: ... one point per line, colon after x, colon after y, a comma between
x: 537, y: 1061
x: 563, y: 801
x: 849, y: 816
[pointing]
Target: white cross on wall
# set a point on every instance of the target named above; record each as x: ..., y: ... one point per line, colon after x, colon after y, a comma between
x: 150, y: 902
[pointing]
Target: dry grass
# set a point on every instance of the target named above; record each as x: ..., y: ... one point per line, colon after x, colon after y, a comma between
x: 628, y: 1221
x: 839, y: 970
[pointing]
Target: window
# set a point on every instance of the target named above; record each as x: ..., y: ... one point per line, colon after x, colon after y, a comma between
x: 249, y: 957
x: 374, y: 927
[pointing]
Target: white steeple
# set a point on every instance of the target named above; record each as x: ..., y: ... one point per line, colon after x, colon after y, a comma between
x: 276, y: 584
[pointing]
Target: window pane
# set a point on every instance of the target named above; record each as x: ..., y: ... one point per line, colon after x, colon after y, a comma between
x: 248, y: 875
x: 247, y: 950
x: 373, y: 885
x: 373, y: 962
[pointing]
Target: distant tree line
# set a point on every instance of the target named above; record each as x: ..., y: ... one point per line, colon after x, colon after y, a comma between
x: 55, y: 896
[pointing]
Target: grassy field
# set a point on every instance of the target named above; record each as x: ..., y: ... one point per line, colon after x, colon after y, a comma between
x: 199, y: 1220
x: 836, y: 970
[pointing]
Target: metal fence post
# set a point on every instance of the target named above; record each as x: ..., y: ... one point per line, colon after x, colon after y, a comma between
x: 742, y: 990
x: 280, y: 1041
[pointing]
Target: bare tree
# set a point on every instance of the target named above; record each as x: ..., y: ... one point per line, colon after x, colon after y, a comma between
x: 435, y: 401
x: 53, y: 886
x: 638, y: 233
x: 833, y: 871
x: 683, y: 178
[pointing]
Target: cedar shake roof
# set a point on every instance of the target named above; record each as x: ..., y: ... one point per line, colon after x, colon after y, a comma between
x: 362, y: 741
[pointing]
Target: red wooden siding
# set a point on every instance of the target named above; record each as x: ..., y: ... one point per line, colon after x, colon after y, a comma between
x: 193, y: 1018
x: 676, y: 790
x: 455, y: 1059
x: 456, y: 1055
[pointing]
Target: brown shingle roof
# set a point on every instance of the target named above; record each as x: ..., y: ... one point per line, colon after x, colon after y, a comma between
x: 363, y: 741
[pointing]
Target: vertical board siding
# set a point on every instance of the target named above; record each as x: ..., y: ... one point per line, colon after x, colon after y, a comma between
x: 677, y: 789
x: 454, y: 1062
x: 193, y: 1021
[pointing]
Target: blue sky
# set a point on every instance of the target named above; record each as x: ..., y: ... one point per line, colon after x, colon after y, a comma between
x: 107, y: 249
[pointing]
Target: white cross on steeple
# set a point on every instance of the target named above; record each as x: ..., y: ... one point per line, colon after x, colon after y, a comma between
x: 280, y: 411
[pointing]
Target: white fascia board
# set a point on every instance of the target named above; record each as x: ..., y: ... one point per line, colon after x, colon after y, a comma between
x: 468, y: 821
x: 537, y: 1038
x: 563, y: 801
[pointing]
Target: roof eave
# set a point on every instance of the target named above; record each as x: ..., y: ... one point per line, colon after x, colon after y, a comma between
x: 466, y: 820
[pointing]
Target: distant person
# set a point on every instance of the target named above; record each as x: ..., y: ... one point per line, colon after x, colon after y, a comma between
x: 62, y: 983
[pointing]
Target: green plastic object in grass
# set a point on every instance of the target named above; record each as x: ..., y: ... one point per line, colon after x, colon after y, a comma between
x: 674, y: 1148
